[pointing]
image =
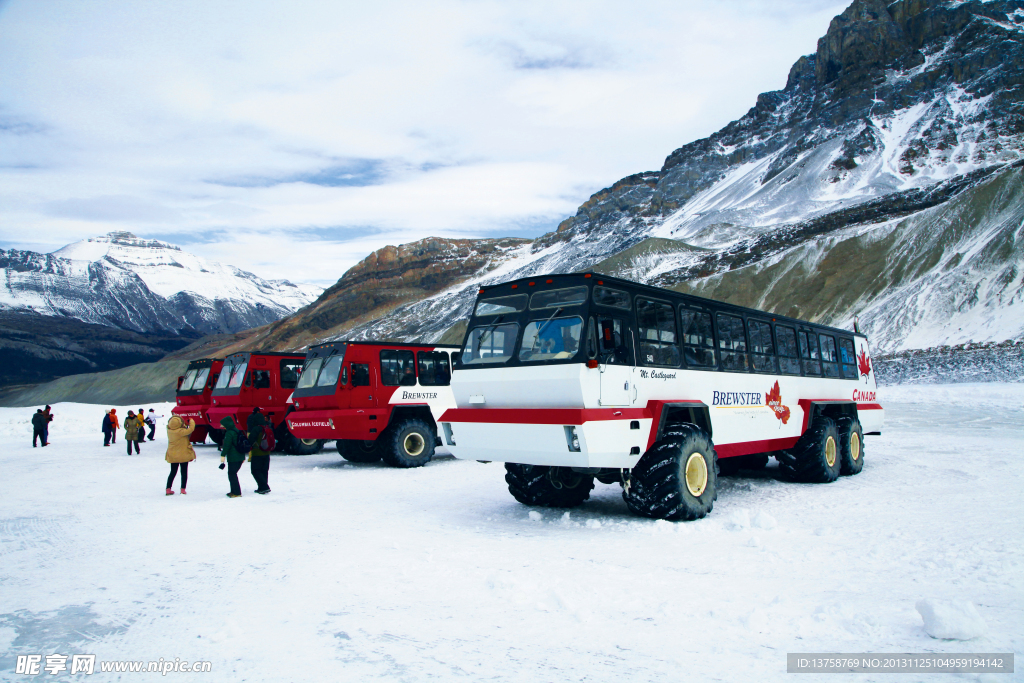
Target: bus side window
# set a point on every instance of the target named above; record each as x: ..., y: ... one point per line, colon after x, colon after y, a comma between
x: 785, y: 338
x: 848, y: 358
x: 659, y: 344
x: 828, y: 355
x: 698, y: 341
x: 290, y: 371
x: 809, y: 362
x: 433, y: 368
x: 360, y: 374
x: 732, y: 343
x: 261, y: 379
x: 397, y: 368
x: 762, y: 351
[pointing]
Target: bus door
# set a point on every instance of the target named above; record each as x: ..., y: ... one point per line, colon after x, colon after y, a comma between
x: 614, y: 361
x: 363, y: 385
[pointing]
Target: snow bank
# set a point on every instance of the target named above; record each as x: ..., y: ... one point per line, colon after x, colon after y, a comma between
x: 951, y: 619
x: 997, y: 395
x: 73, y: 419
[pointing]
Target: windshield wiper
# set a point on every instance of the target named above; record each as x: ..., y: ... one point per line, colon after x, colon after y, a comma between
x: 489, y: 329
x: 543, y: 327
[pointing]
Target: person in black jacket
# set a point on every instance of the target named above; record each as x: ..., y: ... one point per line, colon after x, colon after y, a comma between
x: 259, y: 460
x: 39, y: 427
x: 108, y: 429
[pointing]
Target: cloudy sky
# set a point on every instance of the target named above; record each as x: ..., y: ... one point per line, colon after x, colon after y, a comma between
x: 292, y: 139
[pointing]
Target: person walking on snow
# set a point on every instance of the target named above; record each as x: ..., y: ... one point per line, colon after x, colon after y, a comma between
x: 141, y: 417
x: 115, y: 424
x: 230, y: 452
x: 131, y: 432
x: 46, y: 427
x: 108, y: 429
x: 179, y: 451
x: 151, y: 421
x: 259, y: 459
x: 39, y: 427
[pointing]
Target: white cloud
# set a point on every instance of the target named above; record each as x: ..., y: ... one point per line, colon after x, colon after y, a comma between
x: 316, y: 121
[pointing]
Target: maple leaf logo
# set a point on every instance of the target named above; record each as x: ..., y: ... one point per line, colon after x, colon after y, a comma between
x: 864, y: 363
x: 773, y: 399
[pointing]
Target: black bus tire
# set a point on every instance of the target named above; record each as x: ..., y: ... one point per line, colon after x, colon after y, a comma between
x: 410, y: 443
x: 676, y: 479
x: 355, y: 450
x: 851, y: 445
x: 815, y: 457
x: 296, y: 446
x: 543, y: 486
x: 217, y: 436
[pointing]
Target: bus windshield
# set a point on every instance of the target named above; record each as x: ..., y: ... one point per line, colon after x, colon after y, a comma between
x: 309, y: 373
x: 225, y: 376
x: 237, y: 375
x: 490, y: 344
x: 186, y: 383
x: 552, y: 339
x: 200, y: 382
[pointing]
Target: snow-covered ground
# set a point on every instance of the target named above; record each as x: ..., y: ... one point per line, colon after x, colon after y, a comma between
x: 362, y: 572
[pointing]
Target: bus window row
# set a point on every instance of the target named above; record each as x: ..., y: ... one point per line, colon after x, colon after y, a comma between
x: 715, y: 340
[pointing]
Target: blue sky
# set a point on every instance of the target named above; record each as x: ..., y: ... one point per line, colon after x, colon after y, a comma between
x: 292, y: 139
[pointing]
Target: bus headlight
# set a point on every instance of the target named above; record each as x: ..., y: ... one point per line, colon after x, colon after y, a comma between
x: 448, y: 437
x: 572, y: 439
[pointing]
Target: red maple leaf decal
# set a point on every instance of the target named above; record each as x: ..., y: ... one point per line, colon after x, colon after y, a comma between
x: 864, y: 363
x: 774, y: 401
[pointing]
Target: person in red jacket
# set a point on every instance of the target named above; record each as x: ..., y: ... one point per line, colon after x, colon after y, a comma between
x: 115, y: 424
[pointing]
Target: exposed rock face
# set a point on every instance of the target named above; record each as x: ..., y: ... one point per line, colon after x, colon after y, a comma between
x: 385, y: 279
x: 899, y: 134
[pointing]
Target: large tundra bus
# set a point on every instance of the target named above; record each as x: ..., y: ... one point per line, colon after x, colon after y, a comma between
x: 193, y: 396
x: 264, y: 379
x: 572, y: 378
x: 376, y: 400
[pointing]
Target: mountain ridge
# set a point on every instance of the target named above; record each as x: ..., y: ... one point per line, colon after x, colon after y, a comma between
x: 902, y: 108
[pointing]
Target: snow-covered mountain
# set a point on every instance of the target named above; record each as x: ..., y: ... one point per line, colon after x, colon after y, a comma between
x: 883, y: 181
x: 122, y: 281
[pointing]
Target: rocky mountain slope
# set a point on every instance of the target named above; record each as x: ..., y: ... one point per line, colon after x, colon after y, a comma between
x: 883, y: 181
x: 144, y: 286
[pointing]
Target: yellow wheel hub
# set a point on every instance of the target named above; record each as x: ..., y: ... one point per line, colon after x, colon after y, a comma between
x: 414, y: 444
x: 696, y: 474
x: 855, y: 446
x: 308, y: 442
x: 830, y: 451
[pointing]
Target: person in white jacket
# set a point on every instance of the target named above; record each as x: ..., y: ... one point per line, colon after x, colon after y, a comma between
x: 151, y: 419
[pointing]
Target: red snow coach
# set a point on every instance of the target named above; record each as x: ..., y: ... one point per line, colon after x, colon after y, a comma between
x: 572, y: 378
x: 267, y: 379
x: 377, y: 400
x: 193, y: 399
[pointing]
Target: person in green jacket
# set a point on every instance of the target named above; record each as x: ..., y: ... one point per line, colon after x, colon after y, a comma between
x: 229, y: 452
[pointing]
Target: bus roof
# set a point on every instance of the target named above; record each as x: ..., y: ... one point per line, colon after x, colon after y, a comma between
x: 506, y: 288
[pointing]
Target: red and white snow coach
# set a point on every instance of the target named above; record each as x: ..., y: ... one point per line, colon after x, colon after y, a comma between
x: 377, y: 400
x: 568, y: 378
x: 266, y: 380
x: 193, y: 395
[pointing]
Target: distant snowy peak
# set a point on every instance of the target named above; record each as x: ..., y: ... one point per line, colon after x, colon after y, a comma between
x: 95, y: 248
x: 146, y: 286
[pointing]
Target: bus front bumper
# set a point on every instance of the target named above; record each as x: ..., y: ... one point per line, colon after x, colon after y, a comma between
x: 587, y: 438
